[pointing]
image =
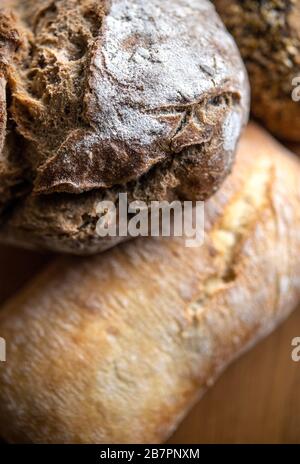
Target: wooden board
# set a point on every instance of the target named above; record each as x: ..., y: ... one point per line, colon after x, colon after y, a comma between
x: 257, y: 400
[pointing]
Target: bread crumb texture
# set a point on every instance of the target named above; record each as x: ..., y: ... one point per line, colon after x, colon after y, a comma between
x: 98, y: 97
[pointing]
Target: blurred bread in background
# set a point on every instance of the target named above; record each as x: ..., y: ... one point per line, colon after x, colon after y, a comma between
x: 268, y: 36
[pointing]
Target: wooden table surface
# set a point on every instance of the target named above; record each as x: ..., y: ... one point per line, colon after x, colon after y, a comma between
x: 257, y: 400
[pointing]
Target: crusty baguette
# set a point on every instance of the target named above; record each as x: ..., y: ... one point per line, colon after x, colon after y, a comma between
x: 117, y: 348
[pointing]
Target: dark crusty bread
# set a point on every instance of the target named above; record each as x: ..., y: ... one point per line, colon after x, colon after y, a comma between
x: 116, y: 348
x: 268, y: 35
x: 144, y: 97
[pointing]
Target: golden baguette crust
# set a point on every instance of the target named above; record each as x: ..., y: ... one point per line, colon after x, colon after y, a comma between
x: 117, y: 348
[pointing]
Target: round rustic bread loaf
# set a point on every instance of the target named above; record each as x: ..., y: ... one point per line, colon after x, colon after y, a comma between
x: 100, y: 97
x: 268, y: 35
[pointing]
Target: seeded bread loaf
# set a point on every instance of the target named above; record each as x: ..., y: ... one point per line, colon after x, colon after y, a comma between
x: 98, y: 97
x: 116, y: 348
x: 268, y: 36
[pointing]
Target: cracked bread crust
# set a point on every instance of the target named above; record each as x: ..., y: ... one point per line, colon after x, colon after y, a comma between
x: 11, y: 171
x: 121, y: 95
x: 268, y: 36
